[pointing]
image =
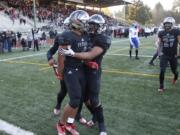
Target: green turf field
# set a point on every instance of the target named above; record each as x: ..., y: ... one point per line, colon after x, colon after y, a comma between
x: 132, y: 105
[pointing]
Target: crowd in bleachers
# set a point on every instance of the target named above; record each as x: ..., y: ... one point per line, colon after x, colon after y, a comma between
x: 31, y: 40
x: 52, y: 13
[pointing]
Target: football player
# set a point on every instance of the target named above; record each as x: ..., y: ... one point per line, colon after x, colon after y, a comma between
x: 100, y: 44
x: 156, y: 46
x: 73, y: 72
x: 134, y: 40
x: 169, y: 39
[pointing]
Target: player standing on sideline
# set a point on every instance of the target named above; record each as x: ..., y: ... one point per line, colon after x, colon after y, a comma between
x: 74, y: 73
x: 169, y: 39
x: 134, y: 40
x: 100, y: 44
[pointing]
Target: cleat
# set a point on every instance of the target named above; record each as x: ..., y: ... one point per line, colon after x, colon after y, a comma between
x: 90, y: 123
x: 61, y: 129
x: 151, y: 63
x: 83, y: 121
x: 160, y: 90
x: 174, y: 81
x: 56, y: 111
x: 103, y: 133
x: 137, y: 58
x: 71, y: 129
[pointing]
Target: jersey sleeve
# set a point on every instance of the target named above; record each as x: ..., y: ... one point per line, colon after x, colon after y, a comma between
x: 160, y: 34
x: 60, y: 40
x: 53, y: 49
x: 178, y: 32
x: 103, y: 41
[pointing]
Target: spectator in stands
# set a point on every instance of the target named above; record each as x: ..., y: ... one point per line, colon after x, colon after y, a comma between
x: 43, y: 39
x: 23, y: 43
x: 13, y: 39
x: 29, y: 40
x: 19, y: 35
x: 9, y: 41
x: 35, y: 39
x: 51, y: 34
x: 1, y: 43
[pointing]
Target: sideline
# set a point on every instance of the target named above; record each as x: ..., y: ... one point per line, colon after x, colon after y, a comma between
x: 12, y: 129
x: 26, y: 56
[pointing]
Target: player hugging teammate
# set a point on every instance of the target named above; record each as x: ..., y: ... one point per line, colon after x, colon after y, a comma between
x: 82, y: 55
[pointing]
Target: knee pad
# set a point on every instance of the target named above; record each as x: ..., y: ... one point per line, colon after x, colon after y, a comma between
x: 74, y: 103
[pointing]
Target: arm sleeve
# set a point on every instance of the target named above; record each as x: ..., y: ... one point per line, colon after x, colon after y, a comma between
x: 159, y: 35
x: 53, y: 49
x: 60, y: 40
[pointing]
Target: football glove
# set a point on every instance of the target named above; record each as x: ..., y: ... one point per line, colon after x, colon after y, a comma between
x: 92, y: 65
x: 66, y: 52
x: 56, y: 73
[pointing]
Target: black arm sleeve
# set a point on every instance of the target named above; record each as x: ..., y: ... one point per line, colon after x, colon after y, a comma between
x: 53, y: 49
x: 60, y: 40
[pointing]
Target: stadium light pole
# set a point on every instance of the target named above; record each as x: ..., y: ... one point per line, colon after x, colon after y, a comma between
x: 34, y: 10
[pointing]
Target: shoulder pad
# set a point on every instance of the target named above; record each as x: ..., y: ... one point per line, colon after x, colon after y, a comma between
x: 62, y: 39
x: 103, y: 40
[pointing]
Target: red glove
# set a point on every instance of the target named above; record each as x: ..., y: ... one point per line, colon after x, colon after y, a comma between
x: 92, y: 65
x: 56, y: 73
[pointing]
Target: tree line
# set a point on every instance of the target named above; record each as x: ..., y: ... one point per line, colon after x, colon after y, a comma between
x: 141, y: 13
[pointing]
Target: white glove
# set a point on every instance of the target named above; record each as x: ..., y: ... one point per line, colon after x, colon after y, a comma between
x: 67, y: 52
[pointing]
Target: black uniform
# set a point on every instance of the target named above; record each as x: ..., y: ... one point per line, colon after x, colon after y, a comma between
x: 169, y: 40
x: 62, y: 93
x: 74, y: 75
x: 93, y: 77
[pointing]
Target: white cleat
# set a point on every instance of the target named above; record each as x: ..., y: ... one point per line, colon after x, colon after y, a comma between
x: 83, y: 121
x: 103, y: 133
x: 90, y: 123
x: 56, y: 111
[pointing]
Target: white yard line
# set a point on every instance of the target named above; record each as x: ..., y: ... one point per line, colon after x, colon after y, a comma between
x: 33, y: 55
x: 26, y: 56
x: 117, y: 50
x: 12, y: 129
x: 126, y: 55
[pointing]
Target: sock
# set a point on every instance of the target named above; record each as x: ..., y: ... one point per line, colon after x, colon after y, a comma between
x: 100, y: 118
x: 92, y: 111
x: 176, y: 76
x: 130, y: 53
x: 70, y: 120
x: 136, y: 53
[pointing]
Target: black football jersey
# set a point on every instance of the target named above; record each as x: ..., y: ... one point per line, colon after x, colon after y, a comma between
x: 169, y: 41
x: 103, y: 41
x: 77, y: 43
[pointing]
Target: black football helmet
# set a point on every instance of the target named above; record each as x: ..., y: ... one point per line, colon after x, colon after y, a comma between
x: 97, y: 24
x: 78, y: 20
